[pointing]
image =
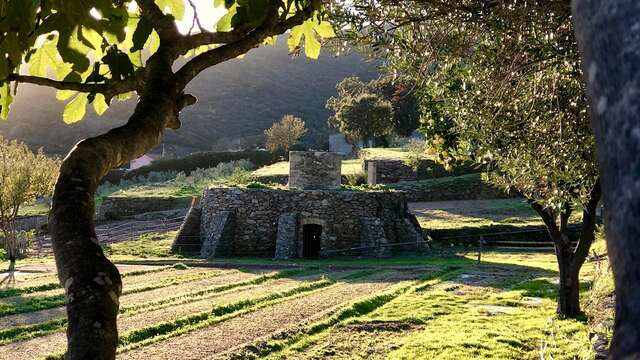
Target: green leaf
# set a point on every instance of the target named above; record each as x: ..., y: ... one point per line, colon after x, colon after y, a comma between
x: 43, y: 58
x: 311, y: 44
x: 142, y: 33
x: 74, y: 111
x: 224, y: 24
x: 5, y: 100
x: 294, y: 38
x: 100, y: 104
x: 176, y: 7
x: 325, y: 30
x: 65, y: 94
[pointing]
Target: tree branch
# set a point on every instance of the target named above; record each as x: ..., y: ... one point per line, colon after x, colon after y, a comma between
x: 549, y: 220
x: 108, y: 89
x: 270, y: 27
x: 588, y: 226
x: 210, y: 38
x: 164, y: 25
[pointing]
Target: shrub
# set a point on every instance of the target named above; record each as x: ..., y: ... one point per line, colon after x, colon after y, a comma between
x: 257, y: 185
x: 202, y: 160
x: 355, y: 179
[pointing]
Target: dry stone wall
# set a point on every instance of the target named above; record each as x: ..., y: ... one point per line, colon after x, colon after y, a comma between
x: 270, y: 223
x: 388, y: 171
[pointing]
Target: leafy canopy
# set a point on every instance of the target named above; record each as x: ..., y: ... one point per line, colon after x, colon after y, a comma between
x: 360, y: 114
x: 285, y: 133
x: 499, y: 82
x: 94, y: 51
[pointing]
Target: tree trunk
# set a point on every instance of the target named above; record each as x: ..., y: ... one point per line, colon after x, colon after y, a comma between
x: 607, y: 32
x: 569, y: 292
x: 92, y: 283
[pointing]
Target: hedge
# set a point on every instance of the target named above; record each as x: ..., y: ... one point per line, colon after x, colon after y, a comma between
x: 203, y: 160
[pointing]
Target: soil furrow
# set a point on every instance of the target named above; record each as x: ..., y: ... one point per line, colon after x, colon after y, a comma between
x: 208, y: 342
x: 38, y: 347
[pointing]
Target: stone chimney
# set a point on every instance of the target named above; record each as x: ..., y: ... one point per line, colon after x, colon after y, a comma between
x: 314, y: 170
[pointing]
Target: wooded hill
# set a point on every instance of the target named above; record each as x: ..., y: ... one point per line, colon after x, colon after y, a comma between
x: 237, y: 101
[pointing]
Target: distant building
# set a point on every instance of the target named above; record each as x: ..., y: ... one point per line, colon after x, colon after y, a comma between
x: 143, y: 160
x: 339, y: 143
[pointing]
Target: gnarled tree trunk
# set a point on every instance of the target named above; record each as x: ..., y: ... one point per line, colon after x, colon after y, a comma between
x: 608, y: 33
x: 570, y: 259
x: 92, y: 283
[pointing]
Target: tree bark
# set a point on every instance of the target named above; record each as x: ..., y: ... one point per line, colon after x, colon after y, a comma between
x: 569, y: 292
x: 608, y: 33
x: 92, y: 283
x: 570, y: 260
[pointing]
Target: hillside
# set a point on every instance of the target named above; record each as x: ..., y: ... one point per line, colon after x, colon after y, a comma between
x: 237, y: 100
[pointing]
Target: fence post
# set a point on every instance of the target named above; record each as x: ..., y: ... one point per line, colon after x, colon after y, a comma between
x: 480, y: 245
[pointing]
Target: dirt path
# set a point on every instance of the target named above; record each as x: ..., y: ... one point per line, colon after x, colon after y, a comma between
x: 205, y: 343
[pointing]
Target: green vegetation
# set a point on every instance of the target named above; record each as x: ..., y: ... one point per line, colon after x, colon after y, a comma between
x: 503, y: 308
x: 463, y: 187
x: 150, y: 245
x: 202, y: 160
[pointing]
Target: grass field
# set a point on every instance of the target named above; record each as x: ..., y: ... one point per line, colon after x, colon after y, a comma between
x: 442, y: 306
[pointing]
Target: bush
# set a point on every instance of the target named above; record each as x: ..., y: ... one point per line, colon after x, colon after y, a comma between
x: 257, y: 185
x: 202, y: 160
x: 355, y: 179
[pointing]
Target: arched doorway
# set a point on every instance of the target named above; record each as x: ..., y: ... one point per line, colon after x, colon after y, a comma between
x: 311, y: 235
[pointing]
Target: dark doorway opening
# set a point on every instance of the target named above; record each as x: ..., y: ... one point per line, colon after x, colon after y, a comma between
x: 311, y: 235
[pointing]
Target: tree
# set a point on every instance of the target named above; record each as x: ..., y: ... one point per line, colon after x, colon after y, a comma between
x: 285, y: 133
x: 94, y: 52
x: 400, y: 94
x: 608, y: 34
x: 359, y: 114
x: 24, y: 176
x: 500, y: 84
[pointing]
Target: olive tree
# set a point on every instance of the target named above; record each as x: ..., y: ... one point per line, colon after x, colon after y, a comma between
x: 285, y: 133
x: 501, y: 85
x: 359, y: 113
x: 95, y: 52
x: 25, y: 176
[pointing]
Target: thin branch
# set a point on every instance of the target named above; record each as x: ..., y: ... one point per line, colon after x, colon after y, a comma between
x: 587, y: 235
x: 211, y: 38
x: 109, y: 89
x: 196, y: 19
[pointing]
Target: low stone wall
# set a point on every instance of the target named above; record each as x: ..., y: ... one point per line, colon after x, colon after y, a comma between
x: 310, y: 170
x: 265, y: 219
x: 388, y: 171
x: 117, y: 208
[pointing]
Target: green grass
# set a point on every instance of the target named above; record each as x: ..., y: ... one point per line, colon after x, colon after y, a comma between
x: 150, y: 245
x: 52, y: 301
x: 441, y: 319
x: 35, y: 209
x: 387, y: 153
x: 514, y: 212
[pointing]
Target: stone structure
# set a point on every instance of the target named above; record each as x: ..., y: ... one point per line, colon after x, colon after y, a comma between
x: 305, y: 224
x: 314, y: 170
x: 388, y: 171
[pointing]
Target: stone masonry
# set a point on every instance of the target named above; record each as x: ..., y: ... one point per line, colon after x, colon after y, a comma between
x: 312, y: 219
x: 314, y: 170
x: 271, y: 223
x: 388, y: 171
